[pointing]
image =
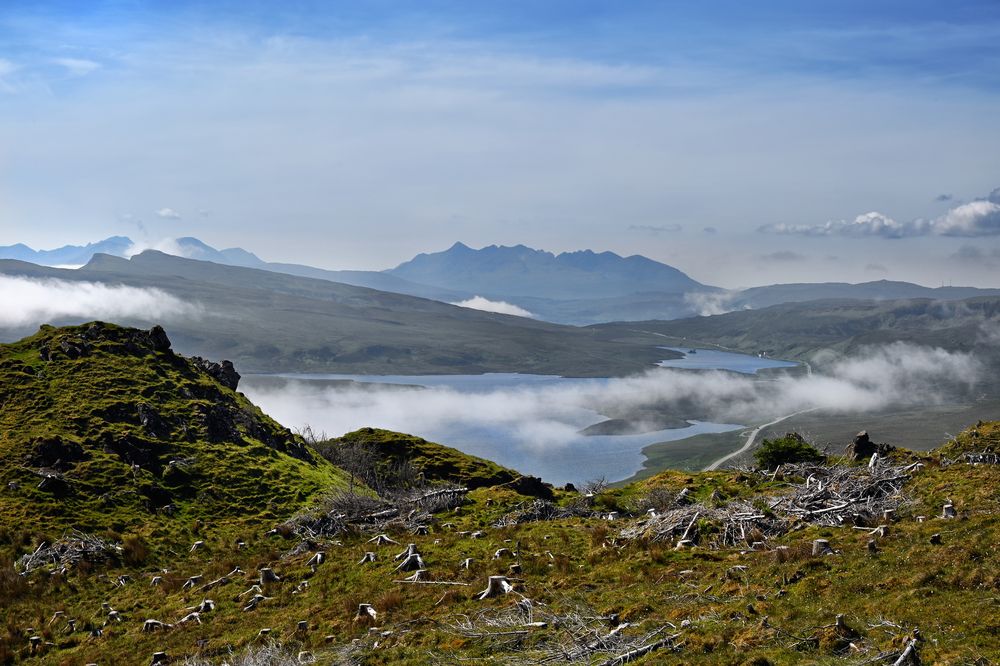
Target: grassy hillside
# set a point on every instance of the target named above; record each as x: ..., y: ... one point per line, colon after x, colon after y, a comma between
x: 270, y: 322
x: 798, y: 330
x: 103, y: 427
x: 722, y: 571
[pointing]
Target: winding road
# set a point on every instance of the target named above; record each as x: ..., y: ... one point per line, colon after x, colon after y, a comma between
x: 751, y: 438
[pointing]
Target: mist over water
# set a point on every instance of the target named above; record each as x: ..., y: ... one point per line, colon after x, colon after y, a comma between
x: 532, y: 423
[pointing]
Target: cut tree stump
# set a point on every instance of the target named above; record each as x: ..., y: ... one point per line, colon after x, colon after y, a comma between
x: 382, y: 540
x: 496, y: 586
x: 821, y: 547
x: 411, y: 563
x: 365, y: 612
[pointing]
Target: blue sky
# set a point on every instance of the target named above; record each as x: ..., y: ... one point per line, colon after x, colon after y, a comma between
x: 742, y: 142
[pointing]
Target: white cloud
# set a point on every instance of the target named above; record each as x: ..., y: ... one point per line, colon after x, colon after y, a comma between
x: 500, y: 307
x: 710, y: 303
x: 168, y: 214
x: 33, y: 301
x: 528, y: 422
x: 77, y: 66
x: 989, y: 332
x: 976, y: 218
x: 868, y: 224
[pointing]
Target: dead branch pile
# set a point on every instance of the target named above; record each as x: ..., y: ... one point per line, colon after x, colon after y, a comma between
x: 841, y: 494
x: 409, y: 510
x: 577, y: 636
x: 539, y: 509
x: 816, y: 494
x: 68, y: 551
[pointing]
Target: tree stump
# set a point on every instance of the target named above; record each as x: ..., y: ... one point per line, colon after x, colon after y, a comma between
x: 192, y: 581
x: 369, y: 557
x: 317, y: 559
x: 411, y: 563
x: 821, y: 547
x: 496, y: 586
x: 382, y: 540
x: 267, y: 575
x: 948, y: 511
x: 418, y: 576
x: 366, y: 612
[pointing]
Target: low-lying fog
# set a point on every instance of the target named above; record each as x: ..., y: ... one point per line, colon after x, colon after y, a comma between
x: 534, y: 425
x: 28, y: 301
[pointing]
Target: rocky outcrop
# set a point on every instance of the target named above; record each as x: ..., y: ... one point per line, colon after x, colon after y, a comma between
x: 863, y: 447
x: 224, y: 372
x: 55, y: 453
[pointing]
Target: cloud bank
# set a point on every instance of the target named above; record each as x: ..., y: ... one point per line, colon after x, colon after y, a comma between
x: 711, y: 303
x: 500, y: 307
x: 970, y: 220
x: 535, y: 417
x: 32, y: 301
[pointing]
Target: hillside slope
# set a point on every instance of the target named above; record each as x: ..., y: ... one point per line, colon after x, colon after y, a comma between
x: 270, y: 322
x: 175, y: 521
x: 798, y: 330
x: 102, y: 425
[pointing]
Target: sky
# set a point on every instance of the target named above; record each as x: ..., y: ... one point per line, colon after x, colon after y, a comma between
x: 744, y: 143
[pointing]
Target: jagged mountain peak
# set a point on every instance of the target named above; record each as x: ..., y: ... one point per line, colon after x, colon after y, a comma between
x: 522, y: 271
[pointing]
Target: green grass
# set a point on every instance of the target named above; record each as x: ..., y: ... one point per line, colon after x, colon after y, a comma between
x: 241, y: 488
x: 389, y: 451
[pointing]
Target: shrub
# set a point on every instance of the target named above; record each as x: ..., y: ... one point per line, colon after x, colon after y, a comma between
x: 791, y: 448
x: 135, y: 550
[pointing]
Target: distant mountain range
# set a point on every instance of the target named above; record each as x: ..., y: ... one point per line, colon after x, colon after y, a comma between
x: 67, y: 255
x: 578, y: 288
x: 519, y: 271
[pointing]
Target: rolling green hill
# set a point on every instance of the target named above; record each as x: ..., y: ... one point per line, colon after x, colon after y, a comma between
x: 102, y: 425
x: 147, y: 508
x: 800, y: 330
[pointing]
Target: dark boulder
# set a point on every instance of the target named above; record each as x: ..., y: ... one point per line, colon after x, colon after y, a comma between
x: 56, y: 453
x: 133, y: 451
x: 863, y: 447
x: 151, y: 420
x: 220, y: 426
x: 531, y: 486
x: 225, y: 373
x: 158, y: 339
